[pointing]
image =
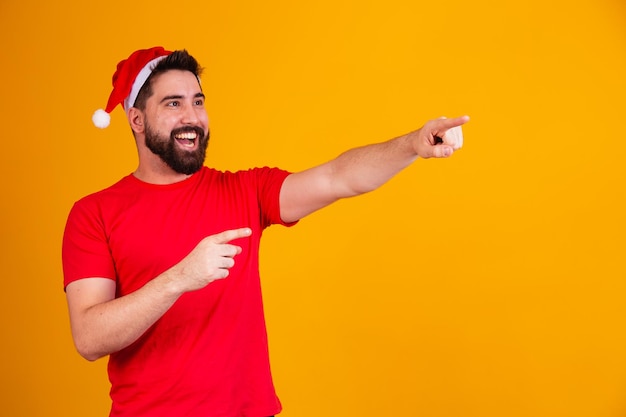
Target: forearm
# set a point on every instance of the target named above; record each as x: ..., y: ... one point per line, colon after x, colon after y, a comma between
x: 364, y: 169
x: 109, y: 326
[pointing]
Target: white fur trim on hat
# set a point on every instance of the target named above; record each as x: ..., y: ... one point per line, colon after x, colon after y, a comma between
x: 140, y: 80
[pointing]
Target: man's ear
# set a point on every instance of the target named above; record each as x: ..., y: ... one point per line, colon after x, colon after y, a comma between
x: 136, y: 120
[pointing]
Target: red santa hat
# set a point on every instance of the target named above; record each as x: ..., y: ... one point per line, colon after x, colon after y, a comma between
x: 130, y: 76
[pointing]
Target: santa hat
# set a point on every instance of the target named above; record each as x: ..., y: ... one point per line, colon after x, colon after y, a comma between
x: 130, y: 76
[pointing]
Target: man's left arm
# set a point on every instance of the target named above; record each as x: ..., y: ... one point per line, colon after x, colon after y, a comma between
x: 363, y: 169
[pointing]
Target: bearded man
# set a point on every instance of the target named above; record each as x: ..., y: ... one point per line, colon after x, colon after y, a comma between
x: 161, y: 270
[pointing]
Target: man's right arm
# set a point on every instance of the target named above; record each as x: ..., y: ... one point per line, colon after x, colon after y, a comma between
x: 102, y: 324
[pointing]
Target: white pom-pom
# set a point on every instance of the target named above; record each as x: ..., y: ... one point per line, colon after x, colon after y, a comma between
x: 101, y: 118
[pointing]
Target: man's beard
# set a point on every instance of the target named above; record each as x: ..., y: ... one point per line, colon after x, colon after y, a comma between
x: 181, y: 161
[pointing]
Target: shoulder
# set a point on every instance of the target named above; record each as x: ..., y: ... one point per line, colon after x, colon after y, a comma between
x: 256, y: 175
x: 97, y: 202
x: 124, y: 184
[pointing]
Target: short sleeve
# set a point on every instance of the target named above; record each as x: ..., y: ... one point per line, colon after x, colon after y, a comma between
x: 270, y: 182
x: 85, y: 251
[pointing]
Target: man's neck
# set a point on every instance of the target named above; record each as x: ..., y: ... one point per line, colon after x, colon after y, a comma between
x: 161, y: 175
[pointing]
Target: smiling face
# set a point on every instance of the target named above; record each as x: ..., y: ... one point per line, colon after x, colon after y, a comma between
x: 175, y: 121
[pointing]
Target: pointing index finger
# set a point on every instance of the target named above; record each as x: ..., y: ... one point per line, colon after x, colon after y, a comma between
x: 446, y: 124
x: 228, y: 235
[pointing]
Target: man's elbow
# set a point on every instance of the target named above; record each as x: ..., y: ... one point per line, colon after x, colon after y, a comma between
x: 87, y: 351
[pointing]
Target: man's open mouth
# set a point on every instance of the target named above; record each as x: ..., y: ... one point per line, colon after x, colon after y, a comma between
x: 187, y: 139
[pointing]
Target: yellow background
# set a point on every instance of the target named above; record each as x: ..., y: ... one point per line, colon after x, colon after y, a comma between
x: 490, y: 284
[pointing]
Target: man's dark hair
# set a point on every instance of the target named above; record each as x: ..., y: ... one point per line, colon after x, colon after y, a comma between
x: 177, y: 60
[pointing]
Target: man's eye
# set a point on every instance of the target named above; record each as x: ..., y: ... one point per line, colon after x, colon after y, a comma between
x: 199, y: 102
x: 173, y: 104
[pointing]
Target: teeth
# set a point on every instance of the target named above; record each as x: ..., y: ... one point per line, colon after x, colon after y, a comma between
x: 186, y: 135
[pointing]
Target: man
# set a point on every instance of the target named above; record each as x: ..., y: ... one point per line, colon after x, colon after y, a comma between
x: 161, y: 269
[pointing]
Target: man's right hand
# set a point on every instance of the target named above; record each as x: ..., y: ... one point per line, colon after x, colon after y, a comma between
x: 210, y: 260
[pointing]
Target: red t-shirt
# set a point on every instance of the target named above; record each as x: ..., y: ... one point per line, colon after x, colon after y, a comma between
x: 207, y: 356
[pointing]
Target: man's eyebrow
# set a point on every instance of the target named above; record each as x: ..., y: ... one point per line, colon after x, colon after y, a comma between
x: 171, y: 97
x: 178, y: 97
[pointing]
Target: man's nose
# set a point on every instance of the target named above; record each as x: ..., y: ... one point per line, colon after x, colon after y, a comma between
x: 190, y: 115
